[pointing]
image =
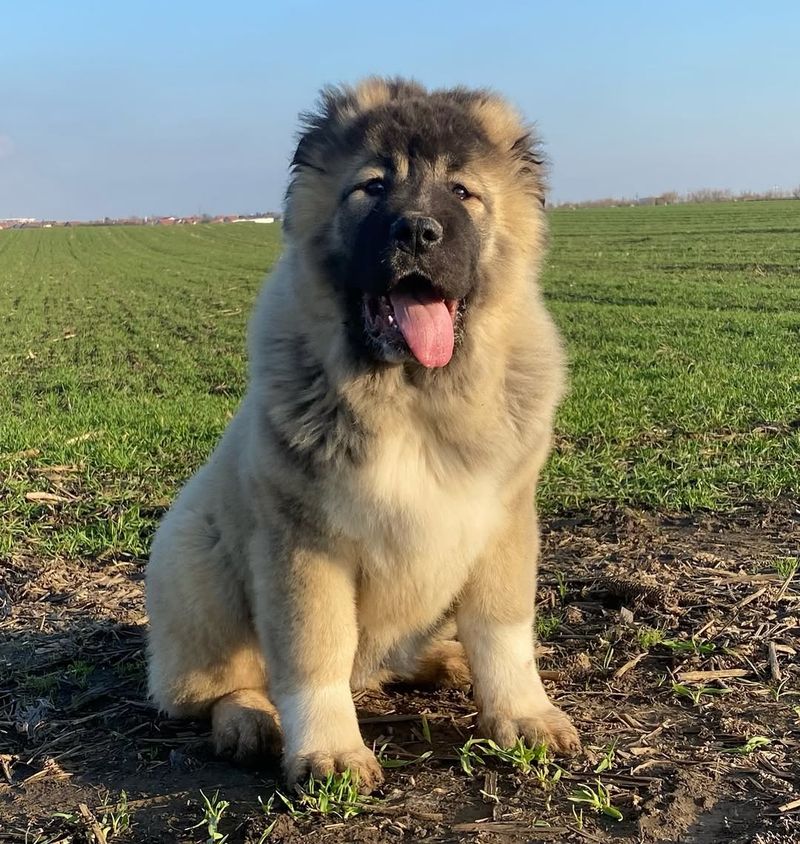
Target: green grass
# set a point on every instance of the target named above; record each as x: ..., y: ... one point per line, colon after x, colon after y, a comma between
x: 336, y: 796
x: 532, y: 759
x: 692, y: 646
x: 683, y: 324
x: 750, y: 746
x: 608, y: 758
x: 122, y: 358
x: 114, y: 821
x: 213, y: 809
x: 547, y: 625
x: 786, y: 566
x: 649, y: 637
x: 697, y: 695
x: 77, y: 672
x: 597, y: 797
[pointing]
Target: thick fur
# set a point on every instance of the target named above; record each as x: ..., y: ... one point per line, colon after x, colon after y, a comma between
x: 355, y: 507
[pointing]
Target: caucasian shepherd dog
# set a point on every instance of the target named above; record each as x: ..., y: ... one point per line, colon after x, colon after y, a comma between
x: 369, y: 513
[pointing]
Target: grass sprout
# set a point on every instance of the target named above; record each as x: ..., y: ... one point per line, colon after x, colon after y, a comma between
x: 598, y: 798
x: 696, y: 695
x: 335, y: 796
x: 527, y: 759
x: 750, y: 746
x: 213, y: 809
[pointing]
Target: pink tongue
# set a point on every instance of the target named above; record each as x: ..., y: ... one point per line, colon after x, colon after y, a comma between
x: 426, y: 325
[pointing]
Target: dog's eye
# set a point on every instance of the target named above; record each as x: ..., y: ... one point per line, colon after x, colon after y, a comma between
x: 461, y: 192
x: 374, y: 187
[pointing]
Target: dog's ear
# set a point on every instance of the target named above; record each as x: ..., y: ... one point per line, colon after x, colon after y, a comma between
x: 321, y: 138
x: 321, y: 128
x: 531, y: 163
x: 506, y: 129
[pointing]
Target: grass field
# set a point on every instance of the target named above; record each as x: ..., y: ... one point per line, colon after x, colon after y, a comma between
x: 672, y: 492
x: 122, y: 352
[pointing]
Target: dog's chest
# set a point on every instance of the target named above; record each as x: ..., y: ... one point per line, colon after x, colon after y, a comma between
x: 413, y: 507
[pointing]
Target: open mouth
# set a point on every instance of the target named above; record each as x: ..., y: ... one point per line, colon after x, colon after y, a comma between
x: 413, y: 318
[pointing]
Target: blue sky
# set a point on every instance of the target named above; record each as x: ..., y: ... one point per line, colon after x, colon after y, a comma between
x: 114, y: 108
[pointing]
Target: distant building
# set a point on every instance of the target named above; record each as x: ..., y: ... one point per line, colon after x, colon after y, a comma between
x: 192, y: 220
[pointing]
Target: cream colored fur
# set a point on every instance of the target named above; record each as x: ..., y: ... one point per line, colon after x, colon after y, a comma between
x: 274, y: 590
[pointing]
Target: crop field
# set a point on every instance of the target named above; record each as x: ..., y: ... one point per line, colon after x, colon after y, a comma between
x: 669, y: 599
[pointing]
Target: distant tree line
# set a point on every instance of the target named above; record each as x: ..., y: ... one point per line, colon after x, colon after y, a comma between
x: 675, y: 198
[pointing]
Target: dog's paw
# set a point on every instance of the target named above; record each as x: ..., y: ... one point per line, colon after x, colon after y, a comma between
x: 244, y: 726
x: 548, y: 725
x: 361, y: 762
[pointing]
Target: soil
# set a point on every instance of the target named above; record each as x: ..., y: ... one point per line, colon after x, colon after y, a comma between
x: 76, y: 728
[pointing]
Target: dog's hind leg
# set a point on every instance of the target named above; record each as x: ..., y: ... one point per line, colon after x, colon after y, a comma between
x: 443, y: 663
x: 204, y: 657
x: 431, y: 659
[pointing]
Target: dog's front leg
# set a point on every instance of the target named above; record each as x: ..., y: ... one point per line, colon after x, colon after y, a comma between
x: 307, y: 624
x: 495, y: 624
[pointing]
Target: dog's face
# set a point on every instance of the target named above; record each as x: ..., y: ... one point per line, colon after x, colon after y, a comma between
x: 403, y: 199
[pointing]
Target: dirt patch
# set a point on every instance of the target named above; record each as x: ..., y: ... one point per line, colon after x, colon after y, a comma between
x: 673, y: 642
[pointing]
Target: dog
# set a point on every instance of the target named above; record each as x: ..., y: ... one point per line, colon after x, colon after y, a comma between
x: 374, y: 496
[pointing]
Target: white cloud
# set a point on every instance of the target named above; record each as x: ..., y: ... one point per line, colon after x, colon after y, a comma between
x: 6, y: 146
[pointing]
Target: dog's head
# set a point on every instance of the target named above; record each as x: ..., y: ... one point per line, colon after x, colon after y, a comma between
x: 412, y: 204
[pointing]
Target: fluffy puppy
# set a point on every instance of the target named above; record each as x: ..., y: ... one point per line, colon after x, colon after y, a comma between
x: 379, y: 477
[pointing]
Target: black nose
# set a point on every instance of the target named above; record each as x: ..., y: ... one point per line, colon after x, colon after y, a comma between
x: 415, y: 233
